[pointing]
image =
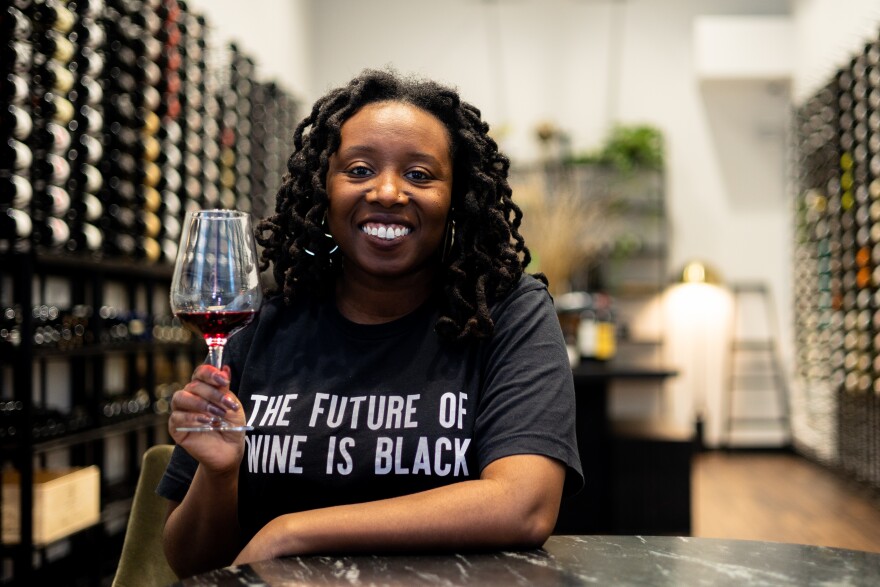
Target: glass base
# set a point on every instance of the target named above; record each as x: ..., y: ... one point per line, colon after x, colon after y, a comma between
x: 222, y: 427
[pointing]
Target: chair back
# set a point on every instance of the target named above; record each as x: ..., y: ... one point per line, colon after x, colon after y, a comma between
x: 142, y: 563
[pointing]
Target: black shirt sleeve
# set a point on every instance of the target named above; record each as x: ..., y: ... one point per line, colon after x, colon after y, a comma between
x: 527, y: 405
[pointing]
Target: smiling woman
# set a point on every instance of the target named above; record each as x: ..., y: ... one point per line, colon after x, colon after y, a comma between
x: 390, y: 192
x: 407, y: 382
x: 484, y: 251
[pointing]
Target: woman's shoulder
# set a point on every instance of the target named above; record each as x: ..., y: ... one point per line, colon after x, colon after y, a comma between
x: 529, y: 291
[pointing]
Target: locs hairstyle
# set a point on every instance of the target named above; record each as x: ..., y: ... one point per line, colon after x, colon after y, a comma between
x: 487, y: 256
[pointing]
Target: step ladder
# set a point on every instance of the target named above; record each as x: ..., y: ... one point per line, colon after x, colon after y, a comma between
x: 754, y: 376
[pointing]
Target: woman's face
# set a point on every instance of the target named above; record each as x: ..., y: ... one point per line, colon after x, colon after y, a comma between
x: 390, y: 190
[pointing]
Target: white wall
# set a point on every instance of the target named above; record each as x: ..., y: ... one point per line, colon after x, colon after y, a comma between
x: 828, y: 32
x: 274, y: 32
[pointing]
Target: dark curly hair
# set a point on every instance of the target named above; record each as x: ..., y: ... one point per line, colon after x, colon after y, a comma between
x: 487, y: 256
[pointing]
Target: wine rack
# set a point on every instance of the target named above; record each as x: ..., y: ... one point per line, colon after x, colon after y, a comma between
x: 119, y: 117
x: 837, y: 270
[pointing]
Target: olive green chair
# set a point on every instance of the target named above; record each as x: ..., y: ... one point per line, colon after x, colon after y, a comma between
x: 143, y: 563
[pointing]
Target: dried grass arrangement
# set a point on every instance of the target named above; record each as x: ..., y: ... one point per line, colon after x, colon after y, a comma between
x: 567, y: 221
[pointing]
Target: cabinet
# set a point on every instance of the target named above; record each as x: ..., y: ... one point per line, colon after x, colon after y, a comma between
x: 89, y: 357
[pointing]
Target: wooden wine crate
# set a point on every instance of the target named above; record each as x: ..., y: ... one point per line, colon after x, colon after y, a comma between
x: 65, y: 501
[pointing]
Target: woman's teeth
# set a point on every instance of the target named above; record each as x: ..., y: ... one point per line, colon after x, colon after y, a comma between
x: 386, y: 232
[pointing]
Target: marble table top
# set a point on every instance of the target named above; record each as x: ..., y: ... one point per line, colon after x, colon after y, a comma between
x: 575, y: 560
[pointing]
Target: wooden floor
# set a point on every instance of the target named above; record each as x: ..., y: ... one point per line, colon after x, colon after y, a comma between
x: 781, y: 497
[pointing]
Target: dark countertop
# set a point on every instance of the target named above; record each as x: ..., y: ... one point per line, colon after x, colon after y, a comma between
x: 616, y: 370
x: 576, y: 560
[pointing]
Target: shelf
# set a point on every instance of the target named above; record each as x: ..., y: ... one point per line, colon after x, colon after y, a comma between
x: 87, y: 435
x: 642, y: 342
x: 68, y: 263
x: 101, y: 432
x: 12, y: 355
x: 634, y: 290
x: 613, y: 370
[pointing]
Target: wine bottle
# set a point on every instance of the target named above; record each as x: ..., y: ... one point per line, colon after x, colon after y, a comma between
x: 149, y: 249
x: 15, y: 90
x: 20, y: 28
x: 53, y: 169
x: 92, y: 63
x: 91, y: 148
x: 55, y: 107
x: 87, y: 208
x: 93, y: 180
x: 150, y: 97
x: 51, y: 233
x: 151, y: 174
x: 54, y: 201
x: 170, y: 156
x: 17, y: 123
x: 54, y: 77
x: 15, y: 191
x: 93, y: 118
x: 53, y: 15
x: 149, y: 224
x: 172, y: 181
x: 150, y: 72
x: 150, y: 148
x: 15, y: 224
x: 151, y: 123
x: 19, y: 54
x: 52, y: 137
x: 123, y: 162
x: 85, y: 237
x: 90, y: 34
x: 122, y: 189
x: 119, y: 244
x: 152, y: 199
x: 171, y: 226
x: 53, y: 45
x: 16, y: 156
x: 123, y: 108
x: 87, y: 92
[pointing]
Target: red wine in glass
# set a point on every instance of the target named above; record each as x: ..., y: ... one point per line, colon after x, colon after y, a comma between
x: 216, y: 325
x: 216, y: 288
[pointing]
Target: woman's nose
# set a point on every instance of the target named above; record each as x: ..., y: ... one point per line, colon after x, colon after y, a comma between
x: 388, y: 191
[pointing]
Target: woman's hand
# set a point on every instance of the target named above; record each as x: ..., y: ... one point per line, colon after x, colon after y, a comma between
x: 204, y: 400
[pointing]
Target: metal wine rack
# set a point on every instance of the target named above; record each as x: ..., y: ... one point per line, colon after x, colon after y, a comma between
x: 120, y: 116
x: 836, y: 402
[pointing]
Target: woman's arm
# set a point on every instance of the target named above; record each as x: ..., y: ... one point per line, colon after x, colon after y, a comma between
x: 514, y: 504
x: 202, y: 531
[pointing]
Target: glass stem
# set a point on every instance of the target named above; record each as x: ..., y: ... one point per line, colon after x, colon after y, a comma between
x: 215, y: 351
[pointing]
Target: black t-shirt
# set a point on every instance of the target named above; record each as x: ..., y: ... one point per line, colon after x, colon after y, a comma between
x: 348, y: 413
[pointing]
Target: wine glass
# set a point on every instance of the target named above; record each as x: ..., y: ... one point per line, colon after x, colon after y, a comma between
x: 216, y: 290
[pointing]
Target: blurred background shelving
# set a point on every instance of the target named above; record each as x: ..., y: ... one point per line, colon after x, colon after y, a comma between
x: 118, y: 117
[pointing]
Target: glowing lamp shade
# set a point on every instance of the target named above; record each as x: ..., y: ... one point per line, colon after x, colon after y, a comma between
x: 698, y: 272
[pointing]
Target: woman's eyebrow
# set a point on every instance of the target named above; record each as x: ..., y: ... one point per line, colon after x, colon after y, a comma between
x: 369, y: 150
